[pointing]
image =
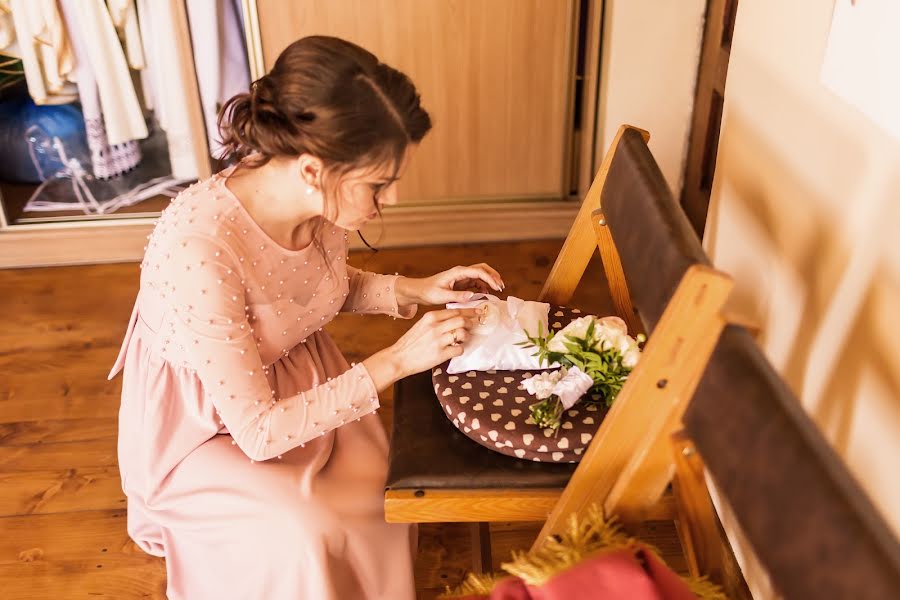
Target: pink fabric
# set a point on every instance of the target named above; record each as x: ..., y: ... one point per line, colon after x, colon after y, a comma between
x: 615, y: 575
x: 249, y: 449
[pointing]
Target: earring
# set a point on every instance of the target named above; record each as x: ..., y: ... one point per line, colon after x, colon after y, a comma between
x: 309, y: 190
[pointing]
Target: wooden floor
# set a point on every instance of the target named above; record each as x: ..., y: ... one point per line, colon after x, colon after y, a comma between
x: 62, y: 511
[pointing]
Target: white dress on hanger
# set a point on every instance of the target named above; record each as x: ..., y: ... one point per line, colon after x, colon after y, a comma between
x: 122, y: 114
x: 220, y: 58
x: 107, y: 160
x: 166, y: 81
x: 41, y: 42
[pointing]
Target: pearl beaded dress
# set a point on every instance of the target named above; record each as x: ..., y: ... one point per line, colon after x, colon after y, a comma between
x: 249, y: 449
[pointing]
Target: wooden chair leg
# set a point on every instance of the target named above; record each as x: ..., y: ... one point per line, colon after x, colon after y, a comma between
x: 480, y: 534
x: 704, y: 543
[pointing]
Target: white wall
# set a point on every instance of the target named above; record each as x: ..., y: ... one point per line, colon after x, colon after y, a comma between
x: 805, y: 213
x: 650, y: 53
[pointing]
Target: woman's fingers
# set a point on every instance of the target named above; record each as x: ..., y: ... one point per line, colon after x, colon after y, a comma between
x: 478, y: 272
x: 494, y: 273
x: 439, y: 316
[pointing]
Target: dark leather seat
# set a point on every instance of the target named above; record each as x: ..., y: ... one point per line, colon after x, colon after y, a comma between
x: 428, y: 452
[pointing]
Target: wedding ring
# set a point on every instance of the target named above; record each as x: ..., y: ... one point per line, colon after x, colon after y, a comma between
x: 455, y: 339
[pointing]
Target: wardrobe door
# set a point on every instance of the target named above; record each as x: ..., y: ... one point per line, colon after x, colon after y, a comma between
x: 495, y: 76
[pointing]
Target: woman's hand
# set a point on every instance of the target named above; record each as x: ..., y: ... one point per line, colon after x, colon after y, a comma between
x: 453, y: 285
x: 436, y: 338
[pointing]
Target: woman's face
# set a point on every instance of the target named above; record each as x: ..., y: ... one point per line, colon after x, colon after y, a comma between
x: 365, y: 191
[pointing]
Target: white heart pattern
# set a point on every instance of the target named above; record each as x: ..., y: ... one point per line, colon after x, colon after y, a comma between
x: 483, y: 395
x: 462, y: 417
x: 542, y: 449
x: 495, y: 417
x: 563, y: 443
x: 493, y: 435
x: 557, y: 456
x: 478, y: 406
x: 519, y: 452
x: 467, y: 386
x: 502, y: 390
x: 498, y: 402
x: 588, y: 421
x: 508, y: 380
x: 488, y: 383
x: 453, y: 378
x: 567, y: 425
x: 585, y: 438
x: 463, y: 399
x: 447, y: 392
x: 509, y: 426
x: 527, y: 439
x: 475, y: 424
x: 515, y: 412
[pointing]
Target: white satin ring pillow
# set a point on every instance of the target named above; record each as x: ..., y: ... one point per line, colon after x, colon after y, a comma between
x: 492, y: 345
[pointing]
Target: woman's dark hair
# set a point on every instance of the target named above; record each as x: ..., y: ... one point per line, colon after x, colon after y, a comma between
x: 329, y: 98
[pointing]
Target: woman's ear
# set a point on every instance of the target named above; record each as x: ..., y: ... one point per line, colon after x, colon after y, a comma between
x: 310, y: 169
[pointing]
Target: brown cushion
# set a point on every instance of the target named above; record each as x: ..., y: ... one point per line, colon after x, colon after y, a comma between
x: 654, y: 238
x: 808, y: 520
x: 492, y: 409
x: 428, y: 452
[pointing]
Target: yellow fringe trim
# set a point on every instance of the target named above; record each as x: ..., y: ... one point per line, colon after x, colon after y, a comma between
x: 578, y: 541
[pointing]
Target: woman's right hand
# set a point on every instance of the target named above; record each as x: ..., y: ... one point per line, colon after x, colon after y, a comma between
x: 435, y: 338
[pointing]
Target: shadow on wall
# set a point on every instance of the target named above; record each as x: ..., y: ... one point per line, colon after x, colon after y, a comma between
x: 802, y: 218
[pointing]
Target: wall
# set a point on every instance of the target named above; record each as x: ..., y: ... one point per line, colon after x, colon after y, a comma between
x: 804, y: 215
x: 648, y: 69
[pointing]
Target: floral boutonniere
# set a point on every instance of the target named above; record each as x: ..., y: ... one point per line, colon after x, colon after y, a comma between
x: 597, y: 356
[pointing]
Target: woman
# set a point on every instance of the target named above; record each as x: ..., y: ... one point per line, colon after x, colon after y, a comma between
x: 249, y: 449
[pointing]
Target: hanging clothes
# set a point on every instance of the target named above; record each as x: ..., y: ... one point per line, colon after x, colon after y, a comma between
x: 107, y: 160
x: 39, y: 39
x: 220, y: 59
x: 122, y: 114
x: 167, y: 82
x: 125, y: 19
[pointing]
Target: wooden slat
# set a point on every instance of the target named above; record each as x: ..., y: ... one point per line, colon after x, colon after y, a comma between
x: 707, y: 551
x: 60, y: 490
x: 691, y: 330
x: 491, y: 505
x: 615, y: 274
x: 579, y: 246
x: 435, y: 506
x: 57, y: 430
x: 75, y: 555
x: 696, y: 515
x: 44, y: 385
x: 40, y: 457
x: 645, y: 405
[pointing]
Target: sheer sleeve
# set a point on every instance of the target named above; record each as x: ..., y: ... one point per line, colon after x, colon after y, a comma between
x: 211, y: 316
x: 371, y: 293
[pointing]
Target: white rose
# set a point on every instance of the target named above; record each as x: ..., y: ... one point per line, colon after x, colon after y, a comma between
x: 577, y: 328
x: 613, y: 323
x: 630, y: 358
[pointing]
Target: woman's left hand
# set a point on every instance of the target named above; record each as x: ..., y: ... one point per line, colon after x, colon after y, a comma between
x: 458, y: 284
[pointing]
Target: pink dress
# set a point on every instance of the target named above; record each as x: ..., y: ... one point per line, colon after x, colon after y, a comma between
x: 249, y: 449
